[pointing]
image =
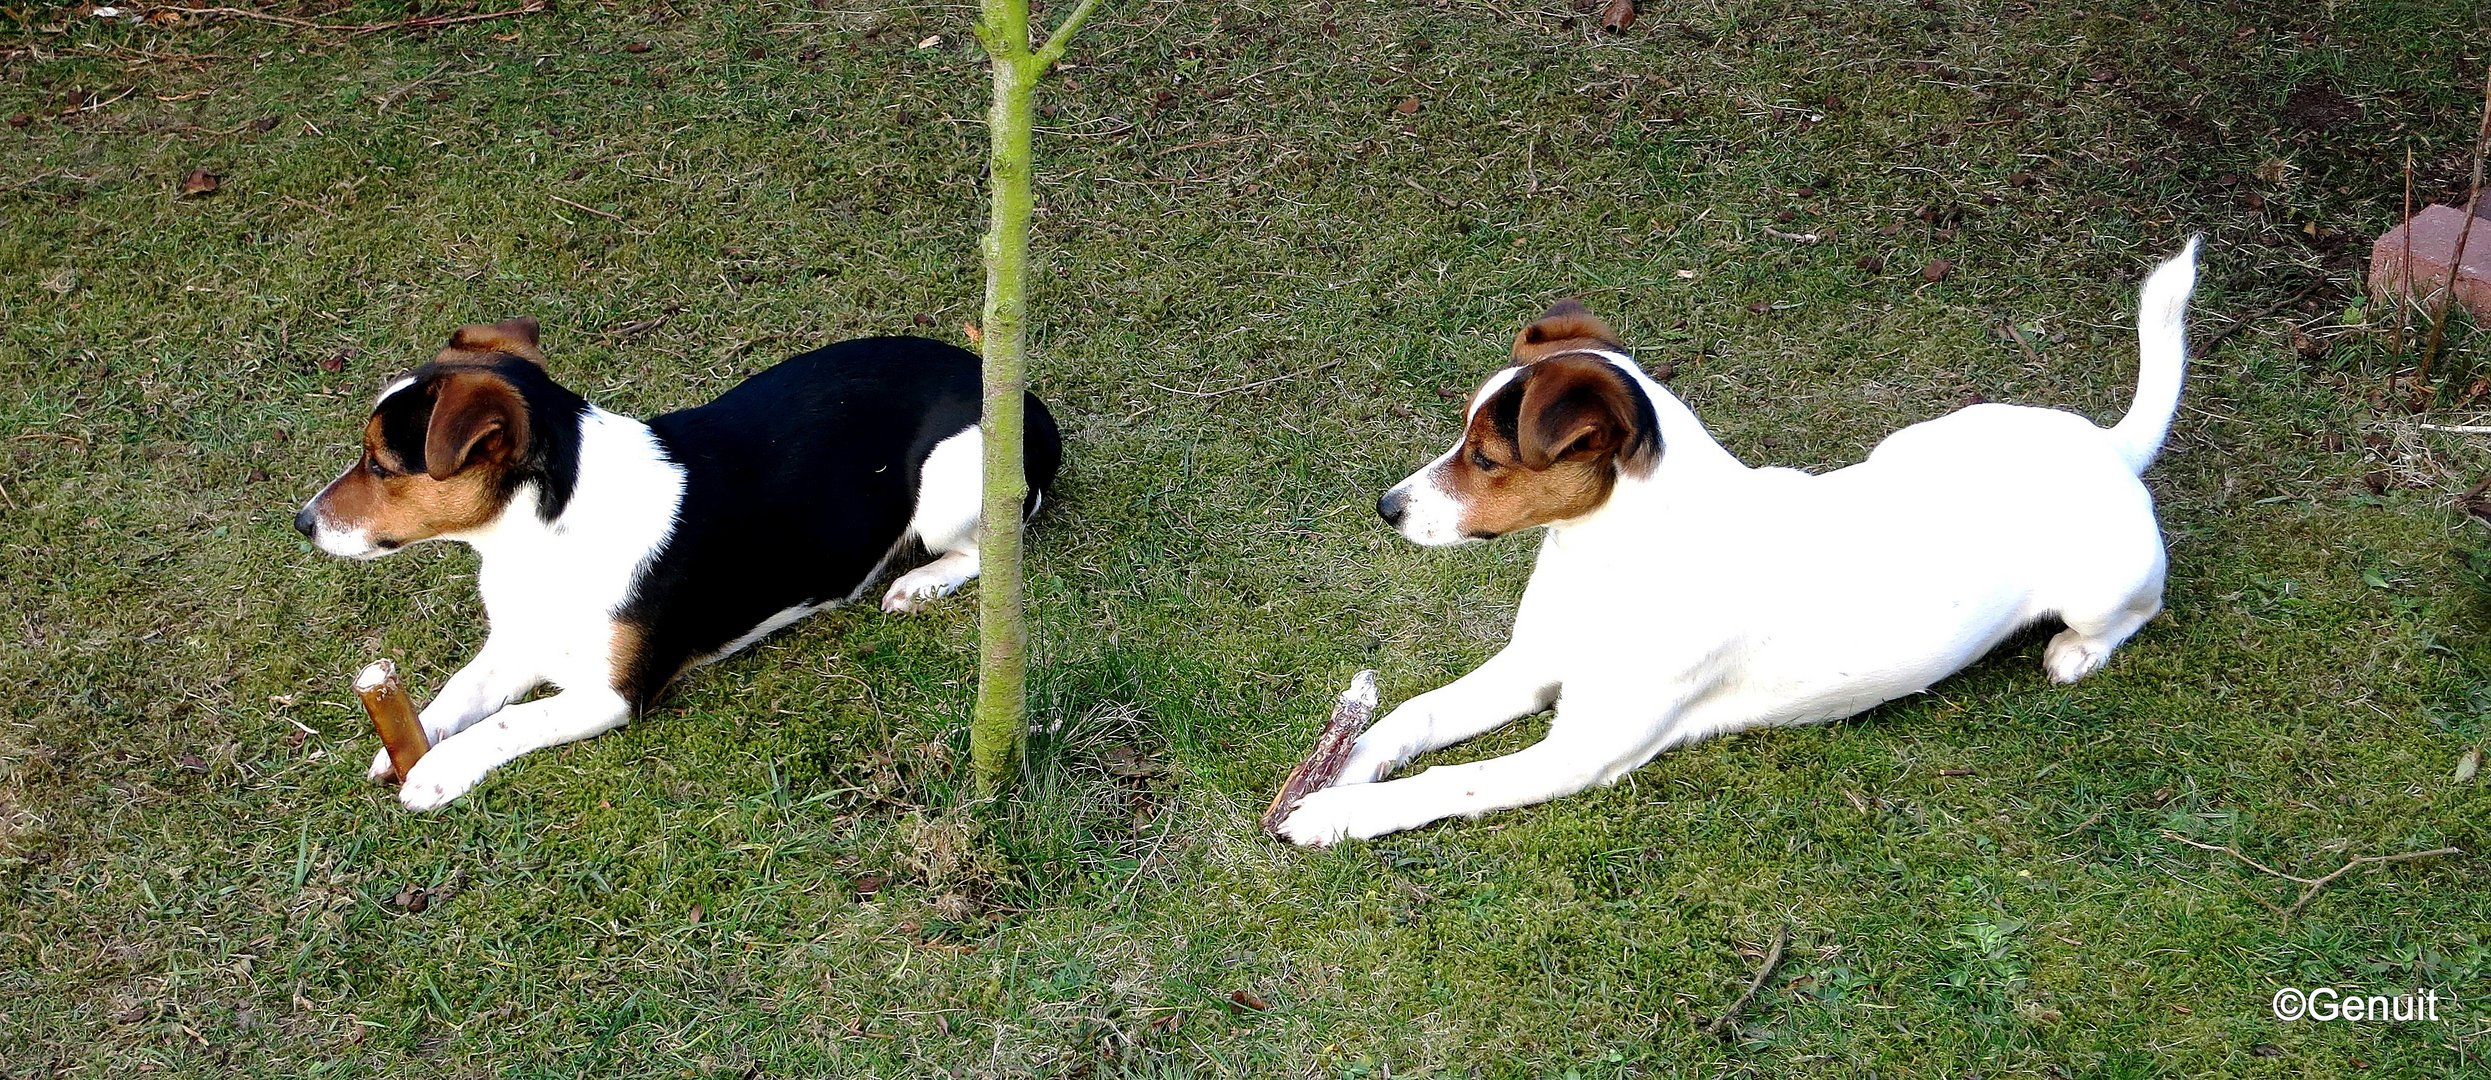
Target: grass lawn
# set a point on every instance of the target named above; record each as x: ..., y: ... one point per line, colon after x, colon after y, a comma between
x: 1279, y: 241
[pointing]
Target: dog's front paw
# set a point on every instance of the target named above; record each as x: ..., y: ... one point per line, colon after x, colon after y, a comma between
x: 436, y: 780
x: 1366, y: 765
x: 2071, y: 656
x: 903, y: 599
x: 933, y: 581
x: 383, y: 770
x: 911, y: 593
x: 1334, y: 814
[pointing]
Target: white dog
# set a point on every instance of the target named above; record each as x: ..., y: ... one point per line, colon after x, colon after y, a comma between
x: 1681, y: 594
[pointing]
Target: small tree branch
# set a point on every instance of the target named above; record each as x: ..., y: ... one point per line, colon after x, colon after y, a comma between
x: 420, y: 22
x: 1053, y: 50
x: 2309, y: 886
x: 2311, y: 892
x: 1771, y: 960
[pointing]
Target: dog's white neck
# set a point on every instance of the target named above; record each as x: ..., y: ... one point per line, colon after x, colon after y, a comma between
x: 621, y: 511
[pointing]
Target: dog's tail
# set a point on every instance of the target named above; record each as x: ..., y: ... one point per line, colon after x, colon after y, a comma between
x: 2162, y: 358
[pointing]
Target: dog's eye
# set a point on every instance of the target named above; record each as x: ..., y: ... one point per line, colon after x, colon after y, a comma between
x: 1480, y: 461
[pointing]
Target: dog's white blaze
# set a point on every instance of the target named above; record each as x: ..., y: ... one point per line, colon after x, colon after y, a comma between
x: 1430, y: 515
x: 392, y: 389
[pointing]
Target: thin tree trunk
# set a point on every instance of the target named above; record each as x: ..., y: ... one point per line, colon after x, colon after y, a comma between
x: 998, y: 729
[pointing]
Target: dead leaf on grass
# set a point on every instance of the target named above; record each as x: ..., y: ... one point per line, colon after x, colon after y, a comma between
x: 1619, y: 15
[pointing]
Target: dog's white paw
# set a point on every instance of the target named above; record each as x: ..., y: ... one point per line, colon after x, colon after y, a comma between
x: 383, y: 770
x: 436, y: 780
x: 1368, y: 763
x: 1334, y: 814
x: 916, y: 588
x: 2072, y: 656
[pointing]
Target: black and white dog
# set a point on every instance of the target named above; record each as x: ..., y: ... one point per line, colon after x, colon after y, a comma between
x: 1682, y: 593
x: 617, y: 553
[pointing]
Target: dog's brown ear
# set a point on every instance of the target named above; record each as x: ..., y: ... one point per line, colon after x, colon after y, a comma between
x: 1568, y: 325
x: 477, y: 419
x: 514, y: 337
x: 1580, y: 409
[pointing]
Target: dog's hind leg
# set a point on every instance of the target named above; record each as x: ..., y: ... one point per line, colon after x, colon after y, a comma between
x: 2094, y: 630
x: 1511, y: 685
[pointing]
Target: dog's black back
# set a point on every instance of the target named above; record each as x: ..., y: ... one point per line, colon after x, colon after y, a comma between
x: 798, y: 483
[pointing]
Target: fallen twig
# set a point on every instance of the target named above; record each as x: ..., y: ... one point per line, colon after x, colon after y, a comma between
x: 1795, y: 237
x: 2404, y: 273
x: 1771, y: 960
x: 577, y: 206
x: 2309, y: 886
x: 2205, y: 345
x: 1335, y: 361
x: 2365, y: 860
x: 637, y: 327
x: 420, y: 22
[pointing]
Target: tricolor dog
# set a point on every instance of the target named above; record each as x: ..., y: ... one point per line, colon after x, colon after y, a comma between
x: 1681, y: 594
x: 617, y: 553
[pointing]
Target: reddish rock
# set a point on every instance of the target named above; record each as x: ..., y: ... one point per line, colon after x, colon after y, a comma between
x: 2434, y: 234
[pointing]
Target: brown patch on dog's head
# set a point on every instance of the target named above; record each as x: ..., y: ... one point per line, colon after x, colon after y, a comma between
x: 1549, y: 446
x: 1568, y: 327
x: 480, y: 341
x: 435, y: 457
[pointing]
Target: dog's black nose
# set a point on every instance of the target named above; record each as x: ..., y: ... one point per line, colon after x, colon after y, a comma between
x: 1391, y: 505
x: 304, y: 523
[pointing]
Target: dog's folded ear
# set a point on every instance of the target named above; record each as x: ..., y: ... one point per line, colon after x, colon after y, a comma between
x: 510, y: 337
x: 1567, y: 326
x: 1580, y: 409
x: 478, y: 418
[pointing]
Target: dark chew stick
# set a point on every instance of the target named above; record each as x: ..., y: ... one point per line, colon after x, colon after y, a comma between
x: 393, y: 715
x: 1323, y: 765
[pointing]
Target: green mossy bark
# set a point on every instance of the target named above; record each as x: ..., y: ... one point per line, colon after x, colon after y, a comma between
x: 998, y: 729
